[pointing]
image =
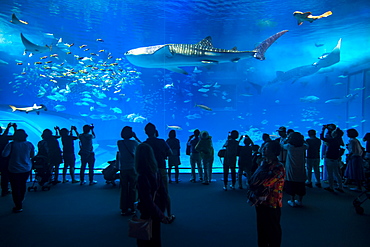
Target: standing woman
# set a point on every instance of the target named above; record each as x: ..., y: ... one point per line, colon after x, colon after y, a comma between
x: 152, y: 193
x: 128, y: 176
x: 20, y: 152
x: 367, y: 150
x: 174, y: 159
x: 355, y: 169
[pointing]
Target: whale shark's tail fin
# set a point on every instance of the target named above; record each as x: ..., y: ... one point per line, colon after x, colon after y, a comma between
x: 262, y: 48
x: 13, y: 108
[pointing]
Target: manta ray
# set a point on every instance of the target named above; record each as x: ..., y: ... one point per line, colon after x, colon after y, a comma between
x: 329, y: 59
x: 325, y: 60
x: 173, y: 56
x: 16, y: 21
x: 33, y: 48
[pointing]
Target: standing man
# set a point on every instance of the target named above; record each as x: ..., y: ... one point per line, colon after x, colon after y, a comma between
x: 266, y: 193
x: 313, y: 158
x: 195, y: 158
x: 87, y: 153
x: 69, y: 157
x: 283, y: 137
x: 161, y: 152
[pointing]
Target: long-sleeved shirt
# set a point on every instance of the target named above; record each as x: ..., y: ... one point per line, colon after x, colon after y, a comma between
x: 354, y: 147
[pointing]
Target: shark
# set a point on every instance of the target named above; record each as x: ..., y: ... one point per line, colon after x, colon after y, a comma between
x: 325, y: 60
x: 35, y: 108
x: 33, y: 48
x: 174, y: 56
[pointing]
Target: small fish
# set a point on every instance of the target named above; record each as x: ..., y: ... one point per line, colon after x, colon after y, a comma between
x: 37, y: 62
x: 318, y: 44
x: 44, y: 57
x: 49, y: 62
x: 174, y: 127
x: 53, y: 55
x: 86, y: 49
x: 101, y: 50
x: 93, y: 54
x: 100, y: 40
x: 343, y: 76
x: 19, y: 63
x: 70, y: 45
x: 82, y: 46
x: 203, y: 90
x: 203, y: 107
x: 168, y: 86
x: 68, y: 52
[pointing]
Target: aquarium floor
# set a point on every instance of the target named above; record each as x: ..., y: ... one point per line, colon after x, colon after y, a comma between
x: 74, y: 215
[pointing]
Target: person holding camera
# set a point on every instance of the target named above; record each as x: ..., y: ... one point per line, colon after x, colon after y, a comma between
x: 332, y: 156
x: 69, y: 157
x: 87, y: 153
x: 245, y: 159
x: 4, y: 161
x: 128, y: 175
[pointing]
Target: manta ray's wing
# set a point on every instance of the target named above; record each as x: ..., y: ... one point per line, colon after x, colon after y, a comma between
x: 33, y: 48
x: 16, y: 21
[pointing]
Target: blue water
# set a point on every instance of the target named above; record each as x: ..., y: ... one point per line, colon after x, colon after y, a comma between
x: 105, y: 89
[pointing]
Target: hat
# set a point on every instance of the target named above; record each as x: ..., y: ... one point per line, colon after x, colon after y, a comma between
x: 282, y: 129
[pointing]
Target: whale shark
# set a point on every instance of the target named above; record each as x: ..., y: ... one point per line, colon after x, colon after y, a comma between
x: 173, y: 56
x: 325, y: 60
x: 33, y: 48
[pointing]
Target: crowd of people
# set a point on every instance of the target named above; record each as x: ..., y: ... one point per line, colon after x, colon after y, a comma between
x: 282, y: 164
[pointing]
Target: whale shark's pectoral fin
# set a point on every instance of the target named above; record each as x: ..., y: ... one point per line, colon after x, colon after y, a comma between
x: 33, y: 48
x: 177, y: 70
x: 164, y: 51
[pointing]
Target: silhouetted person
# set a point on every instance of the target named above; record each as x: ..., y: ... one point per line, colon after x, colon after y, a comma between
x: 195, y: 159
x: 20, y: 152
x: 205, y: 148
x: 313, y: 158
x: 69, y: 156
x: 295, y: 168
x: 283, y: 137
x: 332, y: 157
x: 87, y: 153
x: 174, y: 159
x: 4, y: 161
x: 128, y: 176
x: 231, y: 146
x: 355, y: 168
x: 245, y: 160
x: 152, y: 193
x: 161, y: 152
x: 49, y: 147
